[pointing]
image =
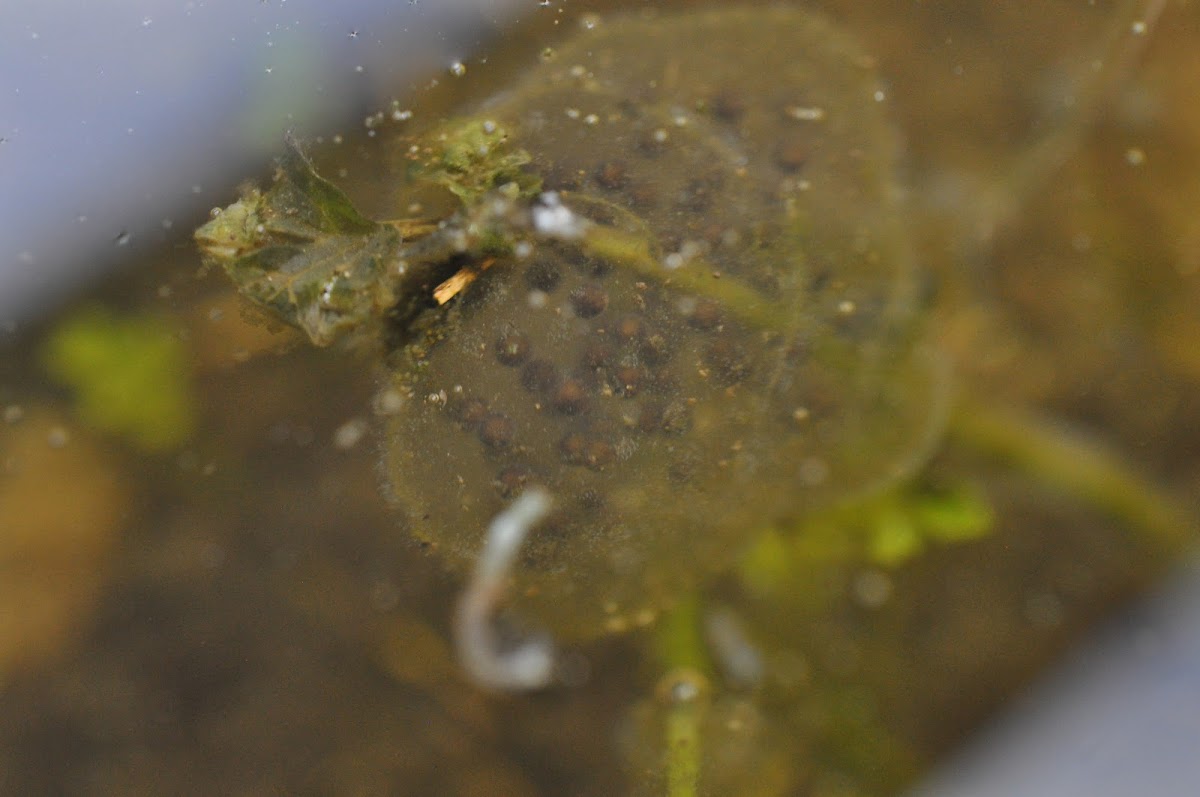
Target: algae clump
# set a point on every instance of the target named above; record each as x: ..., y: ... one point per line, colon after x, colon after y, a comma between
x: 129, y: 375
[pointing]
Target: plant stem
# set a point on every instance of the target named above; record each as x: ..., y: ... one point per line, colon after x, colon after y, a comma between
x: 1079, y: 467
x: 632, y: 251
x: 685, y: 693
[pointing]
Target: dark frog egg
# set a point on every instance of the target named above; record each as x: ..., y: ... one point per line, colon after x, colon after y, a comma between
x: 755, y: 356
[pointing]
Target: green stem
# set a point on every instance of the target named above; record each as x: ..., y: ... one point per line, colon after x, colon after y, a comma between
x: 685, y: 692
x: 1036, y: 163
x: 634, y: 251
x: 1076, y: 466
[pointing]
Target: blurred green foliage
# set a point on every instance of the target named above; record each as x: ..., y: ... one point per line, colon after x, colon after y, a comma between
x: 129, y: 376
x: 887, y: 530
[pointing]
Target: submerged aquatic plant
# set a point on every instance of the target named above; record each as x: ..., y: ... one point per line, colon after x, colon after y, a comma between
x: 670, y: 319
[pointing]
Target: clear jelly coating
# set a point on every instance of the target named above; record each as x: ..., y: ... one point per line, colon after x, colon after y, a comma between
x: 758, y: 357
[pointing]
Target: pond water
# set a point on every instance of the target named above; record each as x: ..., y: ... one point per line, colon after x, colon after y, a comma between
x: 938, y: 415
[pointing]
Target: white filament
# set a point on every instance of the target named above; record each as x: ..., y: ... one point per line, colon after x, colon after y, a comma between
x: 531, y: 664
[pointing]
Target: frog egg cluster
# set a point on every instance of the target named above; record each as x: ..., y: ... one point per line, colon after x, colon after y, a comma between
x: 665, y: 421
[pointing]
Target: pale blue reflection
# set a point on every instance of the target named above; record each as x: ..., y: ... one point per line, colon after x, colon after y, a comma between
x: 117, y: 117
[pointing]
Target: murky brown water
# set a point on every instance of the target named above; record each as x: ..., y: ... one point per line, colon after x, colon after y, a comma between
x: 237, y: 610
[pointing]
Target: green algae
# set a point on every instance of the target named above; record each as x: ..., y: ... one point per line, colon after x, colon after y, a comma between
x: 129, y: 376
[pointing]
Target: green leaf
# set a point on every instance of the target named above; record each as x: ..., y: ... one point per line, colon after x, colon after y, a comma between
x: 303, y: 251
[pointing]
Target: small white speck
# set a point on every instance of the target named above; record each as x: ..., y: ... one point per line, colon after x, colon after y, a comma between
x: 805, y: 113
x: 879, y: 95
x: 555, y: 220
x: 389, y: 402
x: 458, y: 69
x: 813, y: 471
x: 58, y: 437
x: 327, y: 293
x: 872, y: 589
x: 1135, y: 156
x: 1138, y: 28
x: 349, y: 434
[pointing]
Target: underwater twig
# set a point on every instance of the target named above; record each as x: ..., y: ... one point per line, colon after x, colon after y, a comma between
x: 530, y: 665
x: 1075, y: 465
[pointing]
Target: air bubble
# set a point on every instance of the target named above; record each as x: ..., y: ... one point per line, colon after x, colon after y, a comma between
x: 458, y: 69
x: 872, y: 589
x: 58, y: 437
x: 349, y: 434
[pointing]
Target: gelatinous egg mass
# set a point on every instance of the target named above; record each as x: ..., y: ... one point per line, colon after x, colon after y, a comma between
x: 760, y: 357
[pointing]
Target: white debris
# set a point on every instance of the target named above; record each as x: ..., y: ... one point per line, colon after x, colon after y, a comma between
x: 531, y: 664
x: 553, y: 219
